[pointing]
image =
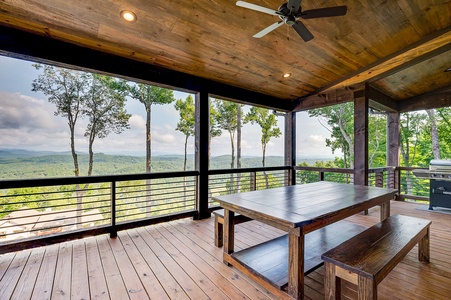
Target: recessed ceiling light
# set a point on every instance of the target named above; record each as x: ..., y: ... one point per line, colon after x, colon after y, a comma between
x: 129, y: 16
x: 286, y: 75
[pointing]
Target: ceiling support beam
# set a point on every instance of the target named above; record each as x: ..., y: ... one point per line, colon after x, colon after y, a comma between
x: 435, y: 99
x: 381, y: 101
x: 337, y: 96
x: 23, y: 45
x: 438, y: 41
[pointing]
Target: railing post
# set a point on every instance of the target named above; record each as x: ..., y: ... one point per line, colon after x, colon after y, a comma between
x: 113, y: 232
x: 253, y: 181
x: 379, y: 179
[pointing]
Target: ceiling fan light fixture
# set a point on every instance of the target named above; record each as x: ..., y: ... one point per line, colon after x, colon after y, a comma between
x: 129, y: 16
x: 286, y: 75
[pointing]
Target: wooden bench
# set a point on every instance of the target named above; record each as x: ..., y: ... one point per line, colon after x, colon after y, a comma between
x: 219, y: 225
x: 369, y: 256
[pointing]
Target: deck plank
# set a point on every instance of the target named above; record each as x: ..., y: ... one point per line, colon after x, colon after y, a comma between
x: 44, y: 282
x: 24, y: 289
x: 115, y: 283
x: 12, y: 275
x: 178, y: 260
x: 62, y: 280
x: 98, y: 287
x: 79, y: 280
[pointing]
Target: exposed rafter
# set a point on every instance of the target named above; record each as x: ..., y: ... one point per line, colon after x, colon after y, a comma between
x: 439, y: 41
x: 434, y: 99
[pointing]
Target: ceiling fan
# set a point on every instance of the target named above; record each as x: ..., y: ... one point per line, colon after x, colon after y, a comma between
x: 290, y: 13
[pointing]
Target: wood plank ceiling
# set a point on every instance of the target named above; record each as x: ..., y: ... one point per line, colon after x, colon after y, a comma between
x: 402, y: 47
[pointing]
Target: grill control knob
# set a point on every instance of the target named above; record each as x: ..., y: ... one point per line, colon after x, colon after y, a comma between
x: 441, y: 175
x: 432, y: 175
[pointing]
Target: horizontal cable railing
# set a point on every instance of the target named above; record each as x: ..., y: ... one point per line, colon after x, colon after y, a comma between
x: 32, y: 209
x: 229, y: 181
x: 314, y: 174
x: 412, y: 187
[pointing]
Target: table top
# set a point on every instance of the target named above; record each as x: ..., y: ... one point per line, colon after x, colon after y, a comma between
x: 301, y: 205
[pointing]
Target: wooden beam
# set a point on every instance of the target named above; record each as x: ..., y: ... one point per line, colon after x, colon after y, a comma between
x: 435, y: 99
x: 202, y: 152
x: 32, y: 47
x: 393, y: 147
x: 381, y: 101
x: 361, y: 106
x: 398, y: 59
x: 330, y: 98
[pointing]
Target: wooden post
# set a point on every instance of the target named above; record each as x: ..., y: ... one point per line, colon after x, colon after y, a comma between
x: 202, y: 132
x: 113, y: 232
x: 361, y: 137
x: 393, y: 147
x: 290, y: 146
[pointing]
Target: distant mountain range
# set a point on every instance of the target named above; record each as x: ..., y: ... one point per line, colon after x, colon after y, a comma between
x: 21, y: 164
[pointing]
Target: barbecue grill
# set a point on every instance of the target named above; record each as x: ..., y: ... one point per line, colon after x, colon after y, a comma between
x: 439, y: 183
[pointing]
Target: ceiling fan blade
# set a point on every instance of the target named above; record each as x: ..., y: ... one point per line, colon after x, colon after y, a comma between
x: 268, y: 29
x: 293, y: 5
x: 257, y: 8
x: 303, y: 31
x: 324, y: 12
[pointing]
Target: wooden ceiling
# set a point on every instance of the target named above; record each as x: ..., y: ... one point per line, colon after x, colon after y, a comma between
x: 400, y: 47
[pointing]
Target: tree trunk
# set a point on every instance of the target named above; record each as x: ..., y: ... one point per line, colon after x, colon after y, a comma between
x: 434, y: 133
x: 148, y: 159
x: 184, y: 169
x: 232, y: 163
x: 238, y: 147
x: 263, y: 163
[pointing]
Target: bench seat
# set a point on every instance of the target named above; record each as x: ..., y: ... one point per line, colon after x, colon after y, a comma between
x: 219, y: 225
x: 369, y: 256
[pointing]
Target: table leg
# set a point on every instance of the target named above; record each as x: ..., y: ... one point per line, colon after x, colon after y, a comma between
x: 229, y: 232
x: 296, y: 266
x: 385, y: 210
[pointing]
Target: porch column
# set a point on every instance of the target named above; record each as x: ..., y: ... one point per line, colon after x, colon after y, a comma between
x: 393, y: 142
x: 361, y: 137
x: 290, y: 146
x: 202, y: 132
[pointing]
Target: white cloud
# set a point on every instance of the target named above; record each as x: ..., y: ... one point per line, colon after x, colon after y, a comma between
x: 137, y: 122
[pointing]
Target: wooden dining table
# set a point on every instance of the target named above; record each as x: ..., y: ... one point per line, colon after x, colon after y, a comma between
x: 311, y: 215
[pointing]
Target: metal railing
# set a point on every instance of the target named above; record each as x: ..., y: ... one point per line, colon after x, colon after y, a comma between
x: 42, y: 211
x: 411, y: 187
x: 228, y: 181
x: 39, y: 210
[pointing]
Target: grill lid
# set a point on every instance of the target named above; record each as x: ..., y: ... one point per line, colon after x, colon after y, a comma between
x: 441, y: 162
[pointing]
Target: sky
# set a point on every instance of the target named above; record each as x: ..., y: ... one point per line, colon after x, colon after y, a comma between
x: 27, y: 121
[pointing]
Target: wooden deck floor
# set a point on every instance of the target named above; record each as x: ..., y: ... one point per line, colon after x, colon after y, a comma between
x: 178, y: 260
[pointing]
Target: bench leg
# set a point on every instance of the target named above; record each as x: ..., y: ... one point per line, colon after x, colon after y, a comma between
x: 385, y: 210
x: 423, y: 248
x: 332, y: 283
x: 367, y: 289
x: 219, y: 232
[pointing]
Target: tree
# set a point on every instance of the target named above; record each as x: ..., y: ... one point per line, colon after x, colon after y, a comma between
x: 268, y: 125
x: 186, y: 124
x: 434, y: 133
x: 105, y: 108
x: 66, y: 89
x: 339, y: 121
x: 149, y: 95
x: 227, y: 120
x: 77, y: 94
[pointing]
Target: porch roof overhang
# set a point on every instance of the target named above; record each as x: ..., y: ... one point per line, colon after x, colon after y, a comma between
x: 398, y: 51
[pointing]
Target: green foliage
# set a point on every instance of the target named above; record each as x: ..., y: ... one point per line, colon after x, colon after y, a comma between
x: 268, y: 124
x: 339, y: 120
